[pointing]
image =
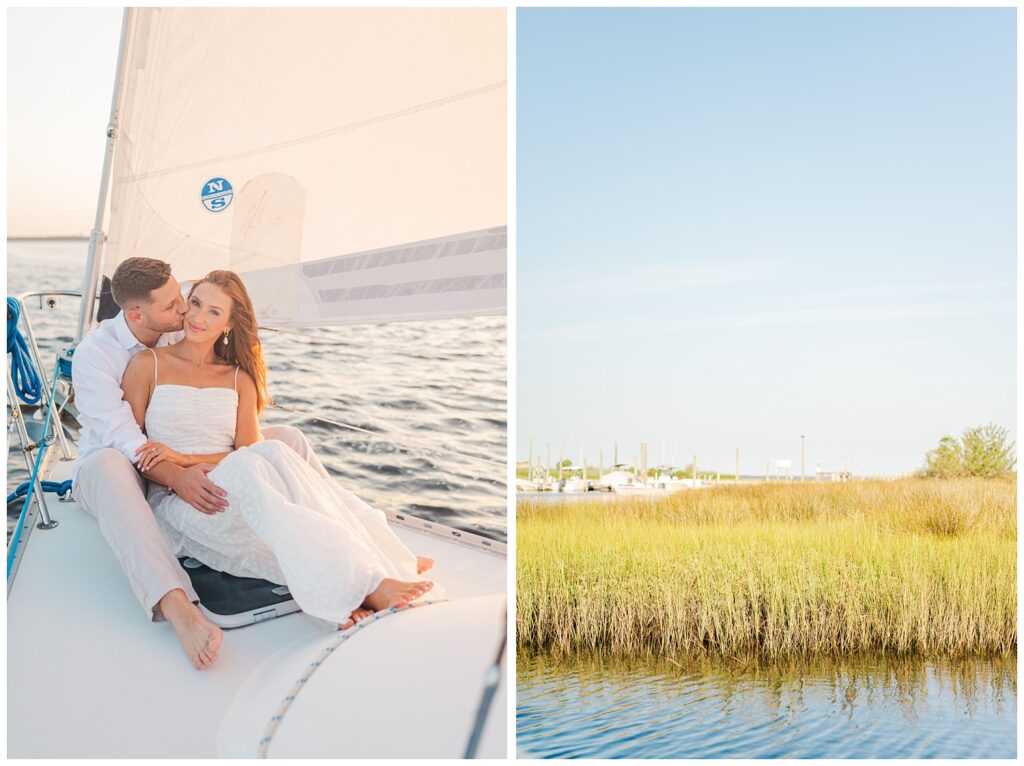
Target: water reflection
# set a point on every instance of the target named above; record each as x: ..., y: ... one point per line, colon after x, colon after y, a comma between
x: 858, y: 707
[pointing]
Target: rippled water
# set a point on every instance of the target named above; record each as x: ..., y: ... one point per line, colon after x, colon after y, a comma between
x: 858, y: 708
x: 432, y: 394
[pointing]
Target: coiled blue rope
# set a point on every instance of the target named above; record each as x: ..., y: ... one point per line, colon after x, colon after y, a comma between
x: 26, y: 380
x: 58, y: 487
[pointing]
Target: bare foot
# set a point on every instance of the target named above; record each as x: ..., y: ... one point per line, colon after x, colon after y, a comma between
x: 423, y: 563
x: 199, y: 637
x: 396, y: 593
x: 357, y: 614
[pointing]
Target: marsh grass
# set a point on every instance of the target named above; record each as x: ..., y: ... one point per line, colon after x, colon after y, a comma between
x: 909, y: 567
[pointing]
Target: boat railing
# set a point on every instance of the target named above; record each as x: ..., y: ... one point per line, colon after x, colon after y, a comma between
x: 47, y: 299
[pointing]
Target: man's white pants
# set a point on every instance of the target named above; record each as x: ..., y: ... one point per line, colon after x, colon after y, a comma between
x: 109, y: 488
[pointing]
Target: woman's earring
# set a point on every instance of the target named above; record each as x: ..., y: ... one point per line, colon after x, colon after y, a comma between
x: 225, y: 339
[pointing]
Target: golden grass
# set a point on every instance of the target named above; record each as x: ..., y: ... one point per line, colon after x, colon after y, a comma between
x: 925, y: 567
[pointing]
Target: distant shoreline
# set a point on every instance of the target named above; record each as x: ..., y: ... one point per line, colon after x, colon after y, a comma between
x: 47, y: 239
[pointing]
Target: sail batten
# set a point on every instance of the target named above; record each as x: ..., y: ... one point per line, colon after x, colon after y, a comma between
x: 348, y: 162
x: 460, y: 275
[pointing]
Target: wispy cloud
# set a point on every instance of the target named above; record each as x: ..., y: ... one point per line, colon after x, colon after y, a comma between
x: 635, y: 327
x: 629, y: 279
x: 855, y: 314
x: 911, y: 289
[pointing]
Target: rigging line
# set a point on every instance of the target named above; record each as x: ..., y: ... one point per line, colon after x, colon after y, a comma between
x: 412, y: 446
x: 352, y: 126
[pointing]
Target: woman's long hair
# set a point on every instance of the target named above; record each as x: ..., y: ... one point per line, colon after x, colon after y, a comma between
x: 243, y: 347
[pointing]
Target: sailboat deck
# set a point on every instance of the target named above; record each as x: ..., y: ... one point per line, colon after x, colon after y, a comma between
x: 84, y: 661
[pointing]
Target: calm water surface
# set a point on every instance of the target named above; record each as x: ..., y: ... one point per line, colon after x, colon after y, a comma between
x: 432, y: 394
x: 859, y: 708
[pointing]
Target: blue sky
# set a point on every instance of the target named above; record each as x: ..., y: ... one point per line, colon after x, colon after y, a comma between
x: 740, y: 226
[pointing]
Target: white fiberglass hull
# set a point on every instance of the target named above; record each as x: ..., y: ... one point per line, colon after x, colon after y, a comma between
x: 89, y: 676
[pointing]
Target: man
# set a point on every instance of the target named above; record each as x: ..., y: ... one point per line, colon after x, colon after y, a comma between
x: 105, y: 479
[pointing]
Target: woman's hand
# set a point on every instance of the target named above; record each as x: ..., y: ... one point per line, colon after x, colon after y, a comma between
x: 152, y: 453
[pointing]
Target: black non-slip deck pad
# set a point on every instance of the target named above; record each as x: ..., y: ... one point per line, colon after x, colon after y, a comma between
x: 232, y: 602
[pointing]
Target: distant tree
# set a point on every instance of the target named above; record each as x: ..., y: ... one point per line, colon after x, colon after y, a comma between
x: 946, y: 460
x: 987, y: 451
x: 984, y: 451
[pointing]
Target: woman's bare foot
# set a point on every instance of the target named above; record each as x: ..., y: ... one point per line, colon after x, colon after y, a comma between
x: 393, y: 593
x: 357, y: 614
x: 423, y: 563
x: 199, y: 637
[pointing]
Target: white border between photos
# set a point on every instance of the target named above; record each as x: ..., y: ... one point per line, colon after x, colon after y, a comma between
x: 510, y: 383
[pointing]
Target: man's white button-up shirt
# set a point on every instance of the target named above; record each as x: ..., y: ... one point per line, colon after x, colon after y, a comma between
x: 96, y: 372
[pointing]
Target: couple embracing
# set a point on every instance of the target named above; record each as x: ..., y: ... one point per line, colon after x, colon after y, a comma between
x: 170, y: 391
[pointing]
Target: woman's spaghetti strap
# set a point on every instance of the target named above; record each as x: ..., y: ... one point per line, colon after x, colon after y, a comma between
x: 236, y: 377
x: 153, y: 352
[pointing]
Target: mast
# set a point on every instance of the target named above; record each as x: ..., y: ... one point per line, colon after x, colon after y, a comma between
x: 97, y: 236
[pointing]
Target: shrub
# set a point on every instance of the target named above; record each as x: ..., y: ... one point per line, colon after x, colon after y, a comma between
x: 987, y: 451
x: 983, y: 451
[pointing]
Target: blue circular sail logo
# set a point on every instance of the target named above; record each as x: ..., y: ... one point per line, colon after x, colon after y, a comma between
x: 217, y: 194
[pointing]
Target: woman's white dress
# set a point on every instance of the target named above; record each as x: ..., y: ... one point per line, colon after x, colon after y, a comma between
x: 284, y: 521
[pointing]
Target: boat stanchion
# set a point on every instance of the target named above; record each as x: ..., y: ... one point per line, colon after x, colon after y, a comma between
x: 28, y: 446
x: 45, y: 522
x: 18, y: 421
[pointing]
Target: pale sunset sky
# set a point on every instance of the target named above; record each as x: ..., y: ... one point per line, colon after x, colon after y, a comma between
x: 60, y: 77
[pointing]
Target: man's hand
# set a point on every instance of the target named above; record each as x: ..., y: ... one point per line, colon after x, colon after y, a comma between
x: 194, y: 487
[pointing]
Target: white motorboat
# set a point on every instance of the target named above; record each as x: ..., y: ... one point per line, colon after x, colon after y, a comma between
x: 402, y: 174
x: 624, y: 482
x: 667, y: 481
x: 574, y: 484
x: 617, y: 477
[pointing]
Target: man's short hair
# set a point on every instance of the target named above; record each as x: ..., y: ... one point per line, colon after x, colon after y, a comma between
x: 135, y: 278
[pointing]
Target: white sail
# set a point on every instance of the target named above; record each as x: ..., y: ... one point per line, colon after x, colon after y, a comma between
x: 348, y: 162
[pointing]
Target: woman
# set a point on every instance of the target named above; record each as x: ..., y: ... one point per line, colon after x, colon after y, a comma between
x: 198, y: 401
